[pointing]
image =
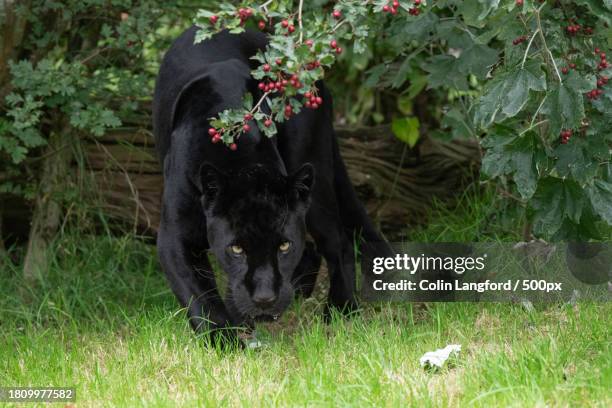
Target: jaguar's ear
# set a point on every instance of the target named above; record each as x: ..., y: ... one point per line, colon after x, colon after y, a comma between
x: 210, y: 182
x: 303, y: 181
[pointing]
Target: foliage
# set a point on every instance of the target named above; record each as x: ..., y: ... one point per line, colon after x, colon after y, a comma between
x: 81, y: 66
x: 529, y: 78
x: 104, y: 321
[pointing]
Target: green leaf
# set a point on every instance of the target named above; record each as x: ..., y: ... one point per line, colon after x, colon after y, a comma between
x: 417, y: 83
x: 517, y: 91
x: 565, y: 108
x: 555, y: 200
x: 443, y: 72
x: 459, y: 124
x: 523, y: 164
x: 508, y: 93
x: 576, y: 159
x: 406, y: 130
x: 598, y: 9
x: 477, y: 59
x: 420, y: 28
x: 374, y: 75
x: 600, y: 194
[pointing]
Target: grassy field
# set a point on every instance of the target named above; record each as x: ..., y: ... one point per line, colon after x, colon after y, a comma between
x: 104, y: 321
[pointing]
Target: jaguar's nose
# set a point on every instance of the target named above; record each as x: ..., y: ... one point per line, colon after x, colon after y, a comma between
x: 264, y: 299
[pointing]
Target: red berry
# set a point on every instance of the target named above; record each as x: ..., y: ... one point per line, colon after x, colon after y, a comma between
x: 396, y: 3
x: 602, y: 55
x: 278, y: 61
x: 337, y: 14
x: 333, y: 44
x: 246, y: 128
x: 417, y: 2
x: 268, y: 122
x: 597, y: 50
x: 339, y: 50
x: 572, y: 65
x: 212, y: 131
x: 261, y: 25
x: 216, y: 139
x: 213, y: 19
x: 291, y: 28
x: 309, y: 43
x: 314, y: 105
x: 233, y: 147
x: 266, y: 67
x: 248, y: 12
x: 261, y: 86
x: 519, y: 2
x: 248, y: 117
x: 285, y: 23
x: 565, y: 70
x: 307, y: 104
x: 319, y: 100
x: 308, y: 95
x: 386, y: 8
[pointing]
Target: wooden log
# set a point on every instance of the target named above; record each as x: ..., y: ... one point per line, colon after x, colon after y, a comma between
x: 48, y: 210
x: 396, y: 183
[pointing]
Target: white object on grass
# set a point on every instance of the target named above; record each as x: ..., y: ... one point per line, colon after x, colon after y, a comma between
x: 254, y: 343
x: 438, y: 357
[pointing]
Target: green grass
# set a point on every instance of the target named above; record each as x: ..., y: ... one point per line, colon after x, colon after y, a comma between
x: 104, y: 321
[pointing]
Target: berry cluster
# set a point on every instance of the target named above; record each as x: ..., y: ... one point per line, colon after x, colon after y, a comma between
x: 519, y: 40
x: 313, y: 65
x: 566, y: 135
x: 603, y: 63
x: 594, y: 93
x: 215, y: 134
x: 573, y: 29
x: 287, y: 25
x: 244, y: 14
x: 281, y: 83
x: 392, y: 8
x: 601, y: 81
x: 571, y: 65
x: 312, y: 101
x: 334, y: 45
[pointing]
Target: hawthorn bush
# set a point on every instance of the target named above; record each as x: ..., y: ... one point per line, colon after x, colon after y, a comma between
x: 528, y: 79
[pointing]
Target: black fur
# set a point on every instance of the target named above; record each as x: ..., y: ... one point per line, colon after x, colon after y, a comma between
x: 269, y: 191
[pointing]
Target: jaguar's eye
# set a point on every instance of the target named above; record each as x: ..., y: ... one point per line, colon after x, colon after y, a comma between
x: 236, y: 250
x: 284, y: 247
